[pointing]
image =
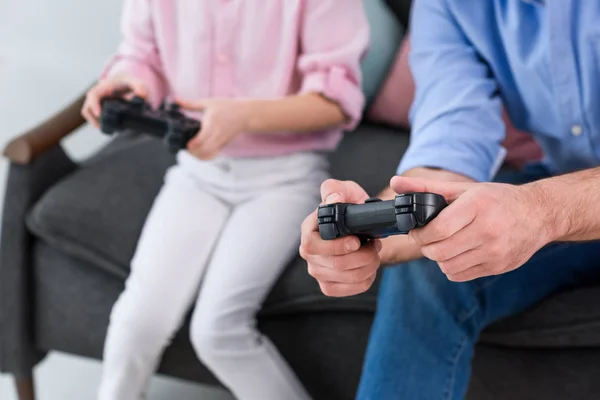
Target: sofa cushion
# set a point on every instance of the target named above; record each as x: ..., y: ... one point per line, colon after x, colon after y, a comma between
x: 567, y: 319
x: 393, y: 103
x: 386, y: 34
x: 96, y: 214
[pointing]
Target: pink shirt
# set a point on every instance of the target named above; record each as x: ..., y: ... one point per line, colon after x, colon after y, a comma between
x: 263, y: 49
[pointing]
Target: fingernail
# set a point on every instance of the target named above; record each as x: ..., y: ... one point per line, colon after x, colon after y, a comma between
x: 333, y: 198
x: 378, y: 245
x: 351, y: 245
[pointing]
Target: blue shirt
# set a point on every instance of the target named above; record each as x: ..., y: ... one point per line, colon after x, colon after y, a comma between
x: 541, y: 60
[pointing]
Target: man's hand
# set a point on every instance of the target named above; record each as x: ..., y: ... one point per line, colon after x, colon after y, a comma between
x: 223, y: 120
x: 342, y: 267
x: 125, y: 85
x: 399, y: 249
x: 488, y: 229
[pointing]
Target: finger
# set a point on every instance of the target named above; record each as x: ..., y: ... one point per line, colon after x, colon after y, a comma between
x: 462, y: 262
x: 450, y: 190
x: 459, y: 243
x: 357, y: 275
x: 194, y: 105
x: 450, y: 220
x: 86, y: 112
x: 314, y: 245
x: 93, y: 103
x: 366, y: 255
x: 478, y: 271
x: 215, y: 143
x: 101, y: 91
x: 310, y: 225
x: 335, y: 289
x: 194, y: 142
x: 335, y: 191
x: 206, y: 149
x: 138, y: 88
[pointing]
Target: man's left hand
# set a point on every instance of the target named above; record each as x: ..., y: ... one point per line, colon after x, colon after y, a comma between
x: 488, y: 228
x: 223, y: 120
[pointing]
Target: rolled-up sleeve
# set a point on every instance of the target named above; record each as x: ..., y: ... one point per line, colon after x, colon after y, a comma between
x: 334, y: 39
x: 138, y: 53
x: 456, y: 116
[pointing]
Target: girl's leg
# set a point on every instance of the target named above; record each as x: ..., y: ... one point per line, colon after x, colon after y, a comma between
x: 166, y: 271
x: 260, y: 238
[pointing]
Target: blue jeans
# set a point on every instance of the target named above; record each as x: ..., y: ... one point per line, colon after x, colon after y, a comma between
x: 426, y: 327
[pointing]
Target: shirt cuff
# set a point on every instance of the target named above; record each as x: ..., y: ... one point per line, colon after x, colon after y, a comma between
x: 138, y: 69
x: 336, y: 86
x: 453, y: 159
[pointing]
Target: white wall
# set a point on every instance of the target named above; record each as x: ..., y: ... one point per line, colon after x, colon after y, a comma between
x: 50, y: 51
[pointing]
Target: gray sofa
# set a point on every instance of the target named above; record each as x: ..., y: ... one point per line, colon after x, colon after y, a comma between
x: 69, y: 231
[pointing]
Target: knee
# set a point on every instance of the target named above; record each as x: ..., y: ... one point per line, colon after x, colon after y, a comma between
x: 207, y: 342
x: 138, y: 313
x: 425, y: 289
x: 212, y: 342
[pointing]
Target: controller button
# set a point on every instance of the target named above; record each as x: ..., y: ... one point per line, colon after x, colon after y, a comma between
x: 403, y: 200
x: 325, y: 220
x: 406, y: 222
x: 372, y: 200
x: 328, y: 231
x: 404, y: 210
x: 326, y: 211
x: 137, y: 101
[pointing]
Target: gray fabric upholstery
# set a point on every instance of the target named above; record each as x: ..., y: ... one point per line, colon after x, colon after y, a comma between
x: 508, y: 374
x: 568, y: 319
x: 57, y: 289
x: 24, y: 187
x: 74, y: 300
x: 97, y: 213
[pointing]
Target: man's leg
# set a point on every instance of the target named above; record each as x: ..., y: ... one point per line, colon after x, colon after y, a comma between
x: 426, y: 327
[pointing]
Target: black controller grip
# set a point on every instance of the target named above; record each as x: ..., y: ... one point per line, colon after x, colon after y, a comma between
x: 167, y: 123
x: 379, y: 219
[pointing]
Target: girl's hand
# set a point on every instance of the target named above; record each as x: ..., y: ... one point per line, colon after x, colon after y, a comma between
x: 223, y: 120
x: 125, y: 85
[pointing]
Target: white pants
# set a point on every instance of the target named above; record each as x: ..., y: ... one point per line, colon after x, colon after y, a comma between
x: 219, y: 235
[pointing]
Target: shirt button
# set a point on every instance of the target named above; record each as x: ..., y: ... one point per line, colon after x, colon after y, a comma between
x: 576, y: 130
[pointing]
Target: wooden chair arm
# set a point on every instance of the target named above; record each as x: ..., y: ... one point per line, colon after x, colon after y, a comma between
x: 26, y: 147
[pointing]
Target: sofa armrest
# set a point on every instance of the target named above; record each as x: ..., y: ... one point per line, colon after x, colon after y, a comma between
x: 25, y: 185
x: 26, y: 147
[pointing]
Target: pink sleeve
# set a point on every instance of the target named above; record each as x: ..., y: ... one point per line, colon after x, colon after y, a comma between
x: 335, y: 36
x: 138, y: 52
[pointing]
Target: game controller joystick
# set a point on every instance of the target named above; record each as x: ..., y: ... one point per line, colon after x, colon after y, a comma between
x: 167, y: 123
x: 379, y: 219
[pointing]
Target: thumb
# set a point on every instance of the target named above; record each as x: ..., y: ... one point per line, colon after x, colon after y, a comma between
x: 193, y: 105
x: 139, y: 89
x: 449, y: 190
x: 334, y: 191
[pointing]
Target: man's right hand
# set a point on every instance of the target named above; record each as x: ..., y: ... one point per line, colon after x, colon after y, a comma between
x: 342, y: 267
x: 122, y: 84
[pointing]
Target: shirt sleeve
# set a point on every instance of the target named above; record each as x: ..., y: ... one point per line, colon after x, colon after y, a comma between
x: 138, y: 53
x: 456, y: 116
x: 334, y: 40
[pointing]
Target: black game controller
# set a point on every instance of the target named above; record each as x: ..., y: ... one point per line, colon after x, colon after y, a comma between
x: 167, y: 123
x: 377, y: 218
